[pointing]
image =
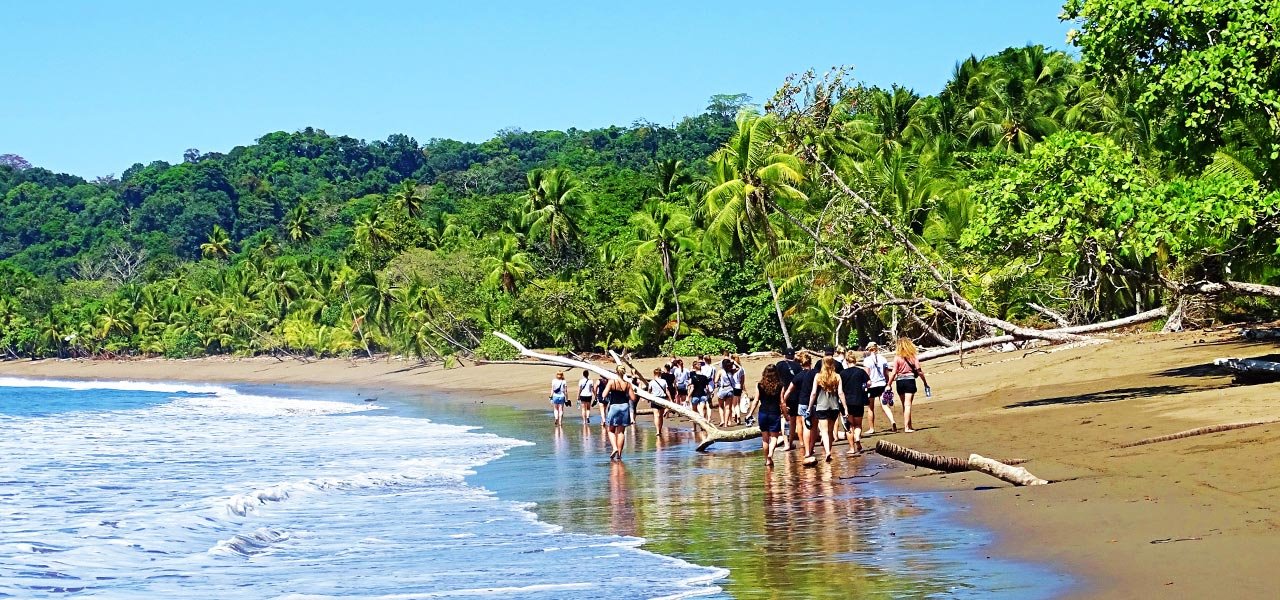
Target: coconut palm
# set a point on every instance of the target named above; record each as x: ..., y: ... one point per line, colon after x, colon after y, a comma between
x: 1024, y: 99
x: 554, y: 206
x: 299, y: 223
x: 218, y: 244
x: 410, y: 197
x: 509, y: 267
x: 664, y: 229
x: 372, y: 231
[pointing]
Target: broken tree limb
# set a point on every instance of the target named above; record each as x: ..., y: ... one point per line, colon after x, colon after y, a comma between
x: 626, y: 362
x: 1003, y: 472
x: 1142, y: 317
x: 1015, y: 475
x: 1054, y: 315
x: 1193, y: 432
x: 713, y: 434
x: 933, y: 333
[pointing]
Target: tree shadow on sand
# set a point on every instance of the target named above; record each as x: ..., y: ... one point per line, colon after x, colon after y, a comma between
x: 1110, y: 396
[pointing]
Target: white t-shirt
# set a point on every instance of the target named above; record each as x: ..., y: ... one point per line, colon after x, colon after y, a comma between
x: 584, y: 387
x: 709, y: 371
x: 875, y: 365
x: 658, y: 388
x: 558, y: 385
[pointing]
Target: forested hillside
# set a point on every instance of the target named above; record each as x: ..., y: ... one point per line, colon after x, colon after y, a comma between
x: 1035, y: 190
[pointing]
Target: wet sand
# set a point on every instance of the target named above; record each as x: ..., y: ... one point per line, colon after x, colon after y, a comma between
x: 1189, y: 518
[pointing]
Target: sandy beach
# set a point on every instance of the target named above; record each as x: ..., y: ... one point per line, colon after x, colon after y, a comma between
x: 1190, y: 518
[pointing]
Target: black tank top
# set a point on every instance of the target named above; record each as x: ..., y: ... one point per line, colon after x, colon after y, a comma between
x: 770, y: 404
x: 617, y: 396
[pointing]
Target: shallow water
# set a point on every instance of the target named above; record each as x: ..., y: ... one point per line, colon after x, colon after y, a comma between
x: 831, y: 531
x: 130, y: 490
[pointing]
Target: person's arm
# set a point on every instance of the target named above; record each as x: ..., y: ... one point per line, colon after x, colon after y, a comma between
x: 813, y: 396
x: 892, y: 374
x: 920, y: 370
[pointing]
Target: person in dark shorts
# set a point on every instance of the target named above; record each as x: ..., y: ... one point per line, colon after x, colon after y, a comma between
x: 585, y: 396
x: 854, y: 379
x: 797, y: 396
x: 769, y: 393
x: 825, y: 401
x: 906, y: 369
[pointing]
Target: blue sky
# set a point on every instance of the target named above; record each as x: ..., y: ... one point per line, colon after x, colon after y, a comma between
x: 93, y: 87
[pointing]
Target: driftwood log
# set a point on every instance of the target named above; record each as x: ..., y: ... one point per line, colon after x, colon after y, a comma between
x: 713, y: 434
x: 1251, y: 368
x: 1142, y: 317
x: 1194, y: 432
x: 1015, y: 475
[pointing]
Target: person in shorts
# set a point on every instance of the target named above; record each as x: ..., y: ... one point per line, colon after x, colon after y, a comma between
x: 699, y: 396
x: 878, y: 371
x: 586, y: 396
x: 854, y: 379
x: 769, y: 393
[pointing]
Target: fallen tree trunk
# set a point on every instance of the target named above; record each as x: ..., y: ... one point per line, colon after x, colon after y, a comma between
x: 1015, y: 475
x: 1257, y: 335
x: 1213, y: 288
x: 1194, y: 432
x: 713, y: 434
x: 1142, y: 317
x: 1251, y: 368
x: 1052, y: 335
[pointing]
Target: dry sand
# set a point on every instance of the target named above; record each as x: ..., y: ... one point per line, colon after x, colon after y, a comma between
x: 1195, y: 517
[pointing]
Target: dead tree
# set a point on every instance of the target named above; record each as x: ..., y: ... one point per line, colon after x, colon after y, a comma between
x: 1015, y: 475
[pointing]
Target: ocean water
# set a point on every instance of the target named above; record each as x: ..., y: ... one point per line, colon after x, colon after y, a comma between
x: 142, y: 490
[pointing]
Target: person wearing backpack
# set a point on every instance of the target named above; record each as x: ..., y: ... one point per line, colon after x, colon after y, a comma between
x: 906, y: 370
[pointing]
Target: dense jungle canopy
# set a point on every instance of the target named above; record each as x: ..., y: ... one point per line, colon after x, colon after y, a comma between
x: 1038, y: 189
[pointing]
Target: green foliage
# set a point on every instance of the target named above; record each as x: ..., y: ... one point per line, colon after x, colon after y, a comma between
x: 698, y: 345
x: 492, y: 348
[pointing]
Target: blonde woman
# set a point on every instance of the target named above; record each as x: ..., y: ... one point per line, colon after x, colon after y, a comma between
x: 558, y: 397
x: 825, y: 402
x: 906, y: 370
x: 618, y: 395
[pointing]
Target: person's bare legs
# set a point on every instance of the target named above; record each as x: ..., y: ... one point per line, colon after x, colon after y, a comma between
x: 657, y: 418
x: 888, y: 412
x: 559, y: 411
x: 871, y: 417
x: 767, y: 439
x: 827, y: 428
x: 792, y: 435
x: 855, y: 444
x: 586, y: 410
x: 906, y: 411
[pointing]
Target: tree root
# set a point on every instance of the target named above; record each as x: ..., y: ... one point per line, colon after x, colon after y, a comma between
x: 1194, y: 432
x: 1002, y: 471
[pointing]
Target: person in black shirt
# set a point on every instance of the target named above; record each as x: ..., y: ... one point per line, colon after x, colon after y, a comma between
x: 798, y: 402
x: 854, y: 379
x: 830, y: 352
x: 788, y: 367
x: 769, y: 391
x: 698, y: 393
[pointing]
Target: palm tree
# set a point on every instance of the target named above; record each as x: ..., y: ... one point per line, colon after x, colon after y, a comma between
x: 218, y: 244
x: 753, y: 176
x: 372, y: 230
x: 409, y: 196
x: 663, y: 228
x: 555, y: 205
x: 508, y: 267
x: 1024, y: 99
x: 299, y: 224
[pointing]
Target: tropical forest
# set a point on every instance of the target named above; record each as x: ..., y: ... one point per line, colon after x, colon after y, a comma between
x: 1132, y: 179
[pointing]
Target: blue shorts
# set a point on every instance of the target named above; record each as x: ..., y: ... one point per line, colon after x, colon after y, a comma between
x: 696, y: 400
x: 803, y: 411
x: 770, y: 423
x: 557, y: 398
x: 618, y: 415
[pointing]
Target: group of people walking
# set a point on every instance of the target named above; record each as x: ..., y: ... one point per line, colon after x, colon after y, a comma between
x: 796, y: 400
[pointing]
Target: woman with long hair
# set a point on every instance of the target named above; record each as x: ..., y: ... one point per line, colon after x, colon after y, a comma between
x: 618, y: 395
x: 769, y: 393
x: 558, y: 397
x: 906, y: 369
x: 824, y: 406
x: 585, y: 396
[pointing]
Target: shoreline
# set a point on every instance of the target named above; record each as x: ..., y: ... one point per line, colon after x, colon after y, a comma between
x: 1193, y: 516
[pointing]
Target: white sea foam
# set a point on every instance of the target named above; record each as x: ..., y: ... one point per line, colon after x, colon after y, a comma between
x: 210, y: 490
